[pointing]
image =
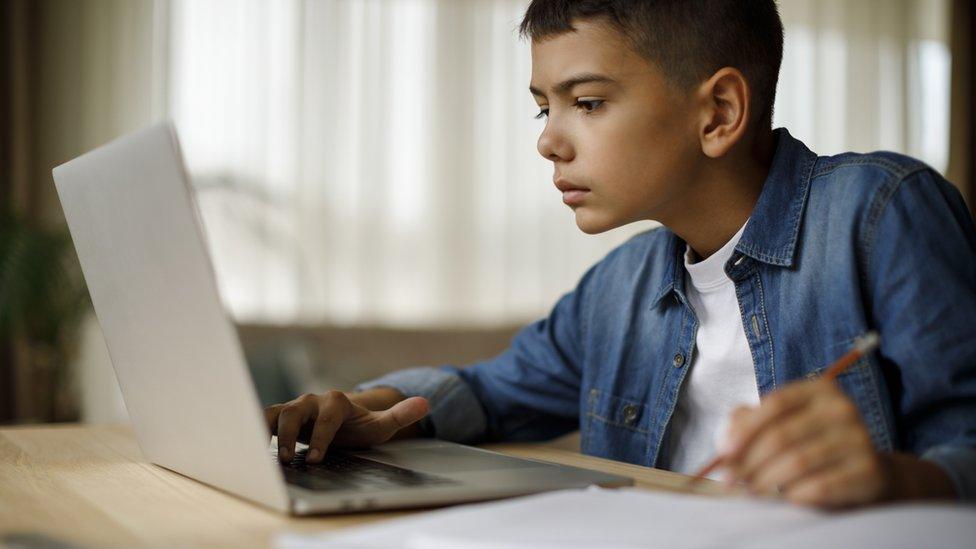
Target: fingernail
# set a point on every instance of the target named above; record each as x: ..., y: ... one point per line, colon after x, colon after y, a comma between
x: 313, y: 455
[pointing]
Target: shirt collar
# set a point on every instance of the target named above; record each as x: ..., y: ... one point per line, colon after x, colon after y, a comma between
x: 774, y: 226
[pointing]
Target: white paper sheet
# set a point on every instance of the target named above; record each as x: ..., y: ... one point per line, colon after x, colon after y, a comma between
x: 595, y: 517
x: 893, y: 527
x: 637, y: 519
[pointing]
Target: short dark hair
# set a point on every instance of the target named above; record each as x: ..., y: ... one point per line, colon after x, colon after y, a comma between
x: 687, y: 39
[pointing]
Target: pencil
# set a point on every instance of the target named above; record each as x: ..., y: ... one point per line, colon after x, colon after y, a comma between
x: 862, y: 345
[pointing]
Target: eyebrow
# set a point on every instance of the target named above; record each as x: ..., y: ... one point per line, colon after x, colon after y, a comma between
x: 570, y: 83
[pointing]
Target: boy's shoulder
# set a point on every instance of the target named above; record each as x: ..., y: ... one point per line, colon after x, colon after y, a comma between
x: 865, y: 175
x: 865, y: 185
x: 883, y: 196
x: 885, y: 163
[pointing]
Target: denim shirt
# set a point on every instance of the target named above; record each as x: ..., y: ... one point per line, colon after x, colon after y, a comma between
x: 835, y: 246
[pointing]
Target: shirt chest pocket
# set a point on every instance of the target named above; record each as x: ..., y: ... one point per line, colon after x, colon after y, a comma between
x: 615, y: 428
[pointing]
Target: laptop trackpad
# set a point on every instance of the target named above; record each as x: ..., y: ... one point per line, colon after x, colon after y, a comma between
x: 446, y: 459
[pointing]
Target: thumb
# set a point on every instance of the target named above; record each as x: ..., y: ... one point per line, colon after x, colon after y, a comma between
x: 403, y: 413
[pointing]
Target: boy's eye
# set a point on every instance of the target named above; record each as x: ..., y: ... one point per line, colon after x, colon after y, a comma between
x: 585, y: 105
x: 588, y: 105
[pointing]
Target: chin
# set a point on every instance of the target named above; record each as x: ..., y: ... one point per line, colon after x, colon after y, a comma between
x: 593, y: 223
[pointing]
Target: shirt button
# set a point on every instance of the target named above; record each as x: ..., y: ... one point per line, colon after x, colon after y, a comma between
x: 630, y: 413
x: 679, y: 360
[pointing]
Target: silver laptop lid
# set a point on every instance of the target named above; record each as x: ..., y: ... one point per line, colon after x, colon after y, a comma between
x: 176, y: 354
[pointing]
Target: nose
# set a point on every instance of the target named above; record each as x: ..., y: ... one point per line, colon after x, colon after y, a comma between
x: 553, y: 144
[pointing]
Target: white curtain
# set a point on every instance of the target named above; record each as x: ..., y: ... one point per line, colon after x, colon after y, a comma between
x: 372, y: 162
x: 866, y: 75
x: 375, y: 162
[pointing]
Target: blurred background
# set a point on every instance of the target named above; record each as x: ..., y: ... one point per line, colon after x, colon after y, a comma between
x: 366, y: 169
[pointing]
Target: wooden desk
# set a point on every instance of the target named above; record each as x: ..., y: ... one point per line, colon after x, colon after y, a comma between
x: 91, y: 485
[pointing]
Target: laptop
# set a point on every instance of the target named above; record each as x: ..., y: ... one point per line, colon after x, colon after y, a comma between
x: 184, y: 377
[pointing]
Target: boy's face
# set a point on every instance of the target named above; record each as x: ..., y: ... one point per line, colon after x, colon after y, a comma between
x: 623, y: 133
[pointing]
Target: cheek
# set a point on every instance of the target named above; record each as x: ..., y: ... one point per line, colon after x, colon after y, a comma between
x: 652, y: 151
x: 615, y: 149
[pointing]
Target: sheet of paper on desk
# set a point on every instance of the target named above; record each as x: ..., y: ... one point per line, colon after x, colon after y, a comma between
x: 633, y: 518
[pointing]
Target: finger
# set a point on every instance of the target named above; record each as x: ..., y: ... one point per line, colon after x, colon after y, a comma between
x: 293, y: 415
x: 271, y: 417
x: 745, y: 426
x: 859, y: 481
x: 802, y: 425
x: 807, y: 459
x: 332, y: 413
x: 366, y: 428
x: 400, y: 415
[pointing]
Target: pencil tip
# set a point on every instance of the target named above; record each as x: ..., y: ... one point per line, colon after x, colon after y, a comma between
x: 868, y: 342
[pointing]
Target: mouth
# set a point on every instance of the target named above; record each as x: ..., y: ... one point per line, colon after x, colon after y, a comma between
x: 572, y: 194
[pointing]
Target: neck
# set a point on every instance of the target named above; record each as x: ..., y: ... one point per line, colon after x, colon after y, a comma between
x: 723, y: 197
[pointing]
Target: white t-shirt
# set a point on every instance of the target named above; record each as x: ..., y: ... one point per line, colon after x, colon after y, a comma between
x: 722, y: 374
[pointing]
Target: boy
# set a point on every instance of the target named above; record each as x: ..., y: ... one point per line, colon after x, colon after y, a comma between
x: 770, y: 261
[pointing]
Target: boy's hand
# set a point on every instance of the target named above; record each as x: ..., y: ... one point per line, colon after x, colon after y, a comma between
x: 355, y: 419
x: 807, y: 442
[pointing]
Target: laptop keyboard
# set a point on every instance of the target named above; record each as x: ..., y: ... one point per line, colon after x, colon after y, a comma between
x: 341, y: 471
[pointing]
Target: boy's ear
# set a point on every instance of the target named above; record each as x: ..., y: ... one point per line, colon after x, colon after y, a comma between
x: 725, y: 113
